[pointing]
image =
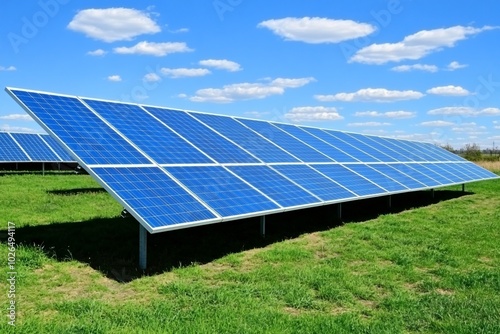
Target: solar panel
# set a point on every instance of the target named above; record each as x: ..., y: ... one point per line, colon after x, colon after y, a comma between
x: 35, y: 147
x: 174, y: 168
x: 10, y: 151
x: 213, y: 144
x: 54, y: 145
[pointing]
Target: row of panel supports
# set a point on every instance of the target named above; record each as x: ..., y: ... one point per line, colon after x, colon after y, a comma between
x: 143, y: 233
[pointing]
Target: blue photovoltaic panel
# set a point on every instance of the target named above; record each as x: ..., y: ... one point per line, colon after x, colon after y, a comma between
x: 472, y: 168
x: 349, y: 179
x: 314, y: 182
x: 35, y: 147
x: 408, y: 169
x: 80, y: 129
x: 455, y: 174
x: 428, y: 170
x: 222, y: 191
x: 362, y: 146
x: 320, y: 145
x: 286, y: 142
x: 277, y: 187
x: 152, y: 137
x: 246, y: 138
x: 402, y: 178
x: 341, y: 145
x: 57, y: 148
x: 385, y: 148
x: 174, y: 169
x: 376, y: 177
x: 415, y: 153
x: 153, y: 195
x: 9, y: 150
x: 217, y: 147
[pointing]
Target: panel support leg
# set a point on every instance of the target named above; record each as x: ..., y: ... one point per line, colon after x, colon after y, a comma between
x: 463, y: 187
x: 263, y: 226
x: 43, y: 168
x: 143, y: 247
x: 339, y: 212
x: 389, y: 201
x: 432, y: 193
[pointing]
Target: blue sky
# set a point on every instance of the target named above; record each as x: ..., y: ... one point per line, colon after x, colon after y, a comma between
x: 424, y: 70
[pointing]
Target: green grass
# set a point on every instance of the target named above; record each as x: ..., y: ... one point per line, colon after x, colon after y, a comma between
x: 426, y: 266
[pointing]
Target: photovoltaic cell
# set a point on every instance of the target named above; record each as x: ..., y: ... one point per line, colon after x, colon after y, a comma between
x: 152, y: 137
x: 277, y: 187
x: 93, y: 141
x: 349, y: 179
x: 377, y: 177
x: 402, y: 178
x: 35, y: 147
x: 320, y: 145
x: 65, y: 157
x: 223, y: 191
x: 411, y: 171
x: 362, y: 146
x: 287, y: 142
x: 379, y: 145
x: 9, y: 150
x: 216, y: 146
x: 314, y: 182
x: 347, y: 148
x: 153, y: 195
x: 429, y: 170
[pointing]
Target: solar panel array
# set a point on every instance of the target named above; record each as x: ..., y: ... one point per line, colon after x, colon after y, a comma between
x: 31, y: 147
x: 174, y: 169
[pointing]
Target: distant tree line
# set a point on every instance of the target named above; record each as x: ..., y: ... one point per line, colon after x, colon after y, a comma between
x: 473, y: 152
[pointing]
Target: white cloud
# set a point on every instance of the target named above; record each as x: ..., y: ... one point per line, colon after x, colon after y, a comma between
x: 7, y: 127
x: 248, y: 91
x: 437, y: 123
x: 455, y: 65
x: 464, y: 111
x: 8, y: 69
x: 115, y: 78
x: 399, y: 114
x: 490, y: 111
x: 113, y: 24
x: 372, y: 95
x: 184, y: 72
x: 97, y: 53
x: 178, y: 31
x: 17, y: 117
x: 370, y: 124
x: 154, y: 49
x: 415, y: 67
x: 470, y: 128
x: 221, y: 64
x: 415, y: 46
x: 151, y: 77
x: 449, y: 91
x: 317, y: 30
x: 317, y: 113
x: 496, y: 127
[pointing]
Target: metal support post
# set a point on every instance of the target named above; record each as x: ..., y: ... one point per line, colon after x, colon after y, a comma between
x: 339, y: 212
x: 389, y: 201
x: 432, y: 193
x: 143, y: 247
x: 263, y: 226
x: 43, y: 168
x: 463, y: 187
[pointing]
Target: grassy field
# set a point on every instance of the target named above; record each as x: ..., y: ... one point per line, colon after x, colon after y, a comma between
x: 427, y: 265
